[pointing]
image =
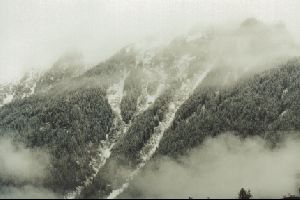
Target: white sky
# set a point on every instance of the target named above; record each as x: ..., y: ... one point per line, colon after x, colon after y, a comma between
x: 34, y: 33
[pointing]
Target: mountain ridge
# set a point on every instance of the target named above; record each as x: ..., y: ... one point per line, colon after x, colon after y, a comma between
x: 103, y: 125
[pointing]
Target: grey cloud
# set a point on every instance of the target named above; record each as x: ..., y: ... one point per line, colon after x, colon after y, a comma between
x: 223, y: 165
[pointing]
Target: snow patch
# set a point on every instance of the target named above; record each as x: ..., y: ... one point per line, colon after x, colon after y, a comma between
x: 283, y: 113
x: 115, y: 94
x: 146, y: 99
x: 284, y: 92
x: 8, y: 99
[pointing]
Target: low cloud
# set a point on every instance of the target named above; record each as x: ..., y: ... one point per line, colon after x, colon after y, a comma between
x: 21, y: 170
x: 26, y: 192
x: 222, y: 166
x: 20, y: 163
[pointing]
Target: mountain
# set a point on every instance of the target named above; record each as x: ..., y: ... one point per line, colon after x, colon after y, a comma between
x: 66, y: 67
x: 103, y: 125
x: 23, y: 88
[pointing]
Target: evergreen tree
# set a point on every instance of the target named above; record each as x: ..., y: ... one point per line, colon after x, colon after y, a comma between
x: 245, y: 194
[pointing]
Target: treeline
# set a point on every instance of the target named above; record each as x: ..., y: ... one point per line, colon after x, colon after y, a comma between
x: 114, y: 65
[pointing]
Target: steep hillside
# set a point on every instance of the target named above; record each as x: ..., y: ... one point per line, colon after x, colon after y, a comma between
x: 261, y: 105
x: 70, y: 127
x: 102, y: 126
x: 65, y: 68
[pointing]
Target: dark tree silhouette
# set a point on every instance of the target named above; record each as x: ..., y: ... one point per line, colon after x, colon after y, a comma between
x: 245, y: 194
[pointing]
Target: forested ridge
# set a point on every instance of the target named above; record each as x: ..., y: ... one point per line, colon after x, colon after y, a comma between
x: 99, y: 124
x: 260, y: 105
x: 68, y: 126
x: 71, y: 125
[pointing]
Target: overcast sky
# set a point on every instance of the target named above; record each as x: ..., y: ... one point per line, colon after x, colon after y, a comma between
x: 34, y: 33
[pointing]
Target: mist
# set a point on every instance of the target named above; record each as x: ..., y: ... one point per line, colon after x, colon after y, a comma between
x: 24, y: 168
x: 222, y: 166
x: 251, y: 47
x: 34, y: 34
x: 27, y: 192
x: 20, y: 163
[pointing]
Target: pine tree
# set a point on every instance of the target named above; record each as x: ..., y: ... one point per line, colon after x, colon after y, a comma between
x: 245, y: 194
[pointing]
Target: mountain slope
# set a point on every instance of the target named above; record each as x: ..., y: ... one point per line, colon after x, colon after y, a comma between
x: 102, y: 127
x: 67, y: 126
x: 260, y: 106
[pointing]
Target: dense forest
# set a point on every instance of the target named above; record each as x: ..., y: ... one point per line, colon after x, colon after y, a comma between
x: 125, y: 156
x: 132, y: 89
x: 261, y: 105
x: 99, y: 124
x: 66, y: 125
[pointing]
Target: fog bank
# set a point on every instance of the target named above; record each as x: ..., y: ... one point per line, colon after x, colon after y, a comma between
x: 26, y: 192
x: 36, y: 33
x: 20, y: 163
x: 222, y: 166
x: 23, y: 169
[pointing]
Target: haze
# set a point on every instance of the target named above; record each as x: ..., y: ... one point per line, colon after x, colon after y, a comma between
x: 35, y: 33
x: 221, y: 166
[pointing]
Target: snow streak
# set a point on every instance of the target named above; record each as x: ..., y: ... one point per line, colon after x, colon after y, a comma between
x: 150, y: 148
x: 146, y: 99
x: 114, y: 95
